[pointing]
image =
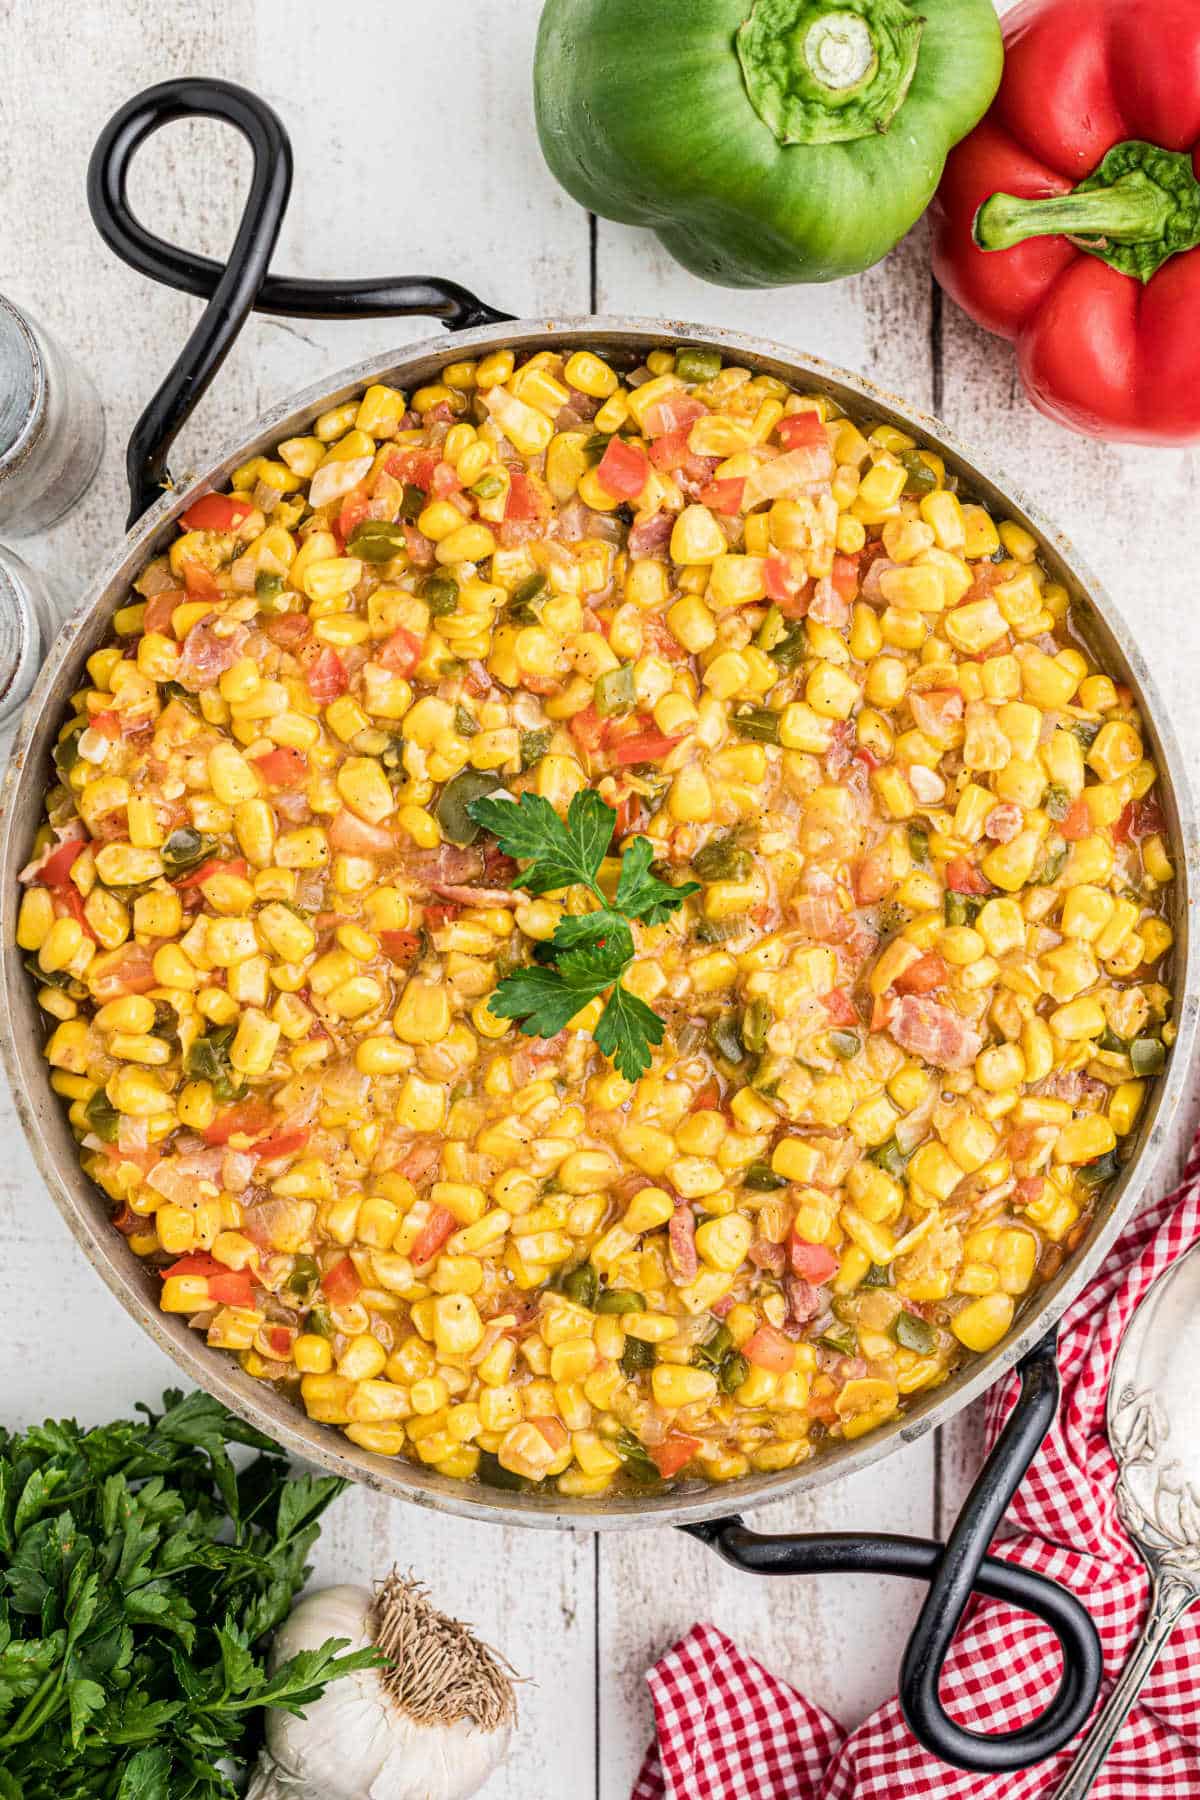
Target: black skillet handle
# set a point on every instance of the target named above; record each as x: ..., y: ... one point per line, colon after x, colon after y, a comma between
x: 953, y: 1571
x: 243, y: 284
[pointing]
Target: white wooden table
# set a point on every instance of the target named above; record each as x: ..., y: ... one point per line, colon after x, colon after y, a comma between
x: 415, y: 151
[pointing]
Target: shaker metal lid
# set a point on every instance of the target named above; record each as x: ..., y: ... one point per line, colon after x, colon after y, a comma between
x: 22, y: 388
x: 20, y: 639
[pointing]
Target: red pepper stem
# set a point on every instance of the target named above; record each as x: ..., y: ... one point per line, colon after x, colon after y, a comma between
x: 1133, y: 210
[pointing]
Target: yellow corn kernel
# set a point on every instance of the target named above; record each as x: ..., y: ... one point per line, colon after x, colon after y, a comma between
x: 983, y: 1322
x: 674, y: 1385
x: 1083, y: 1140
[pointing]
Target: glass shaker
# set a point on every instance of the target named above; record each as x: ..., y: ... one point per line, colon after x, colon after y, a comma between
x: 30, y: 614
x: 51, y: 427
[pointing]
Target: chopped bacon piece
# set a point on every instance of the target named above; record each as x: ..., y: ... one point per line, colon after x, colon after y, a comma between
x: 937, y: 710
x: 465, y: 894
x: 673, y: 413
x: 828, y: 606
x: 681, y: 1234
x: 353, y: 835
x: 819, y: 916
x: 934, y: 1033
x: 1138, y: 819
x: 420, y: 549
x: 925, y: 976
x: 1003, y: 822
x: 651, y: 535
x: 804, y: 1302
x: 288, y: 630
x: 1028, y: 1189
x: 206, y: 656
x: 765, y: 1255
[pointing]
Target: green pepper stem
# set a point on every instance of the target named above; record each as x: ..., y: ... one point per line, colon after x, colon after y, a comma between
x: 1134, y: 209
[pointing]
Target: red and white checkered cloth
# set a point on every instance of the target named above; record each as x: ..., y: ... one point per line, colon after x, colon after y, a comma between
x: 727, y: 1729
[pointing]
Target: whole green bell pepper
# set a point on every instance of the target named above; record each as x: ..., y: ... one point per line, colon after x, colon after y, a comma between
x: 766, y: 141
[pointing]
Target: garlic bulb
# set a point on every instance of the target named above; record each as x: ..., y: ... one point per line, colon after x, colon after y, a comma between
x: 432, y: 1726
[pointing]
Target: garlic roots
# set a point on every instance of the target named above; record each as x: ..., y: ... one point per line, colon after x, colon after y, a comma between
x: 431, y: 1724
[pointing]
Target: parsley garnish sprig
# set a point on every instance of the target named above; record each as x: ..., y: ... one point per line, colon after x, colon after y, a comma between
x: 589, y: 952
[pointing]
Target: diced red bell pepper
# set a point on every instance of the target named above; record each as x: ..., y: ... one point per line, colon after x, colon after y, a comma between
x: 228, y: 1287
x: 674, y: 1453
x: 440, y: 1225
x: 248, y: 1118
x: 282, y: 1143
x: 69, y: 901
x: 216, y: 512
x: 354, y: 511
x: 401, y: 947
x: 522, y: 501
x: 840, y: 1007
x: 769, y: 1349
x: 962, y: 877
x: 157, y: 616
x: 342, y: 1282
x: 1138, y: 819
x: 402, y: 652
x: 327, y: 677
x: 647, y: 746
x: 814, y: 1262
x: 1028, y: 1190
x: 282, y: 767
x: 707, y: 1097
x: 56, y: 869
x: 873, y: 877
x: 925, y: 976
x: 216, y: 865
x: 623, y: 470
x: 200, y: 583
x: 589, y: 730
x: 800, y: 430
x: 415, y: 467
x: 845, y: 576
x: 785, y: 585
x: 107, y: 724
x: 724, y: 496
x: 280, y: 1340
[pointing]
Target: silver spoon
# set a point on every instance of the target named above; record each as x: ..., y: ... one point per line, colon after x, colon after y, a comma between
x: 1154, y: 1429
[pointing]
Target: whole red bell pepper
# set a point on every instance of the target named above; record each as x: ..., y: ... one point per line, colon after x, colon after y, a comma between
x: 1069, y: 220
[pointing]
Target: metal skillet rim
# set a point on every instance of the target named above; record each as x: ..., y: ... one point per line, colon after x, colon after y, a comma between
x: 79, y: 1202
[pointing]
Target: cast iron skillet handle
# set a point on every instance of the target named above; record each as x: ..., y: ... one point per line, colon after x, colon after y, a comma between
x: 242, y: 284
x: 953, y: 1571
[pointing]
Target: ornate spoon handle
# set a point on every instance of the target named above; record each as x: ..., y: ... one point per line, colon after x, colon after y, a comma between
x: 1170, y: 1599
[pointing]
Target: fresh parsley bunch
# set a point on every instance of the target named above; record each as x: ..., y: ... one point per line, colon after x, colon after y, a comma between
x: 591, y: 951
x: 140, y: 1577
